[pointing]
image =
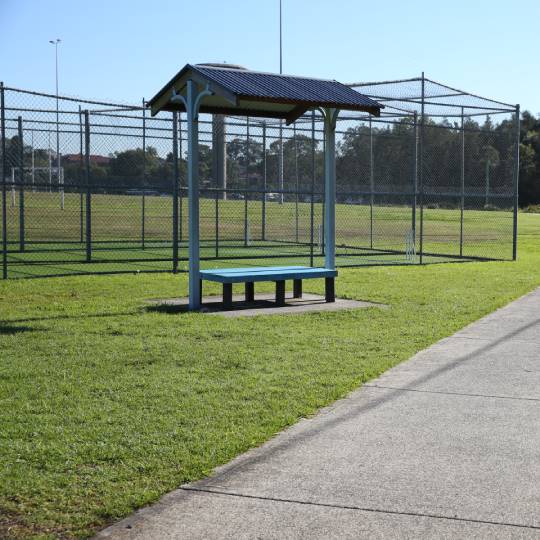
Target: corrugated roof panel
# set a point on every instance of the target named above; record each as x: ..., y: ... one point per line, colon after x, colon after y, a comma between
x: 262, y: 94
x: 286, y: 87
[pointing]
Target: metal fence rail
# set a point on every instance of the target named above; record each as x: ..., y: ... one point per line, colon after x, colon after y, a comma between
x: 433, y: 179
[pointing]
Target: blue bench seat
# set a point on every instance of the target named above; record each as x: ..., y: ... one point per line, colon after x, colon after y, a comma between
x: 278, y: 274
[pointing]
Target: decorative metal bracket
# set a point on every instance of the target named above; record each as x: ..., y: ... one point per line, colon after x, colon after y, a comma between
x: 176, y: 97
x: 330, y: 116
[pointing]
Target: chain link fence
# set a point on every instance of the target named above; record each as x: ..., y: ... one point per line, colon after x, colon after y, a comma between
x: 97, y: 187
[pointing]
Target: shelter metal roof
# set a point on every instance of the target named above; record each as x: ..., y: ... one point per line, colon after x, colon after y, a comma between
x: 252, y: 93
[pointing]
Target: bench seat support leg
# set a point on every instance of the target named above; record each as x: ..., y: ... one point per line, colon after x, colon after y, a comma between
x: 227, y: 295
x: 250, y: 291
x: 297, y: 288
x: 280, y: 293
x: 329, y: 291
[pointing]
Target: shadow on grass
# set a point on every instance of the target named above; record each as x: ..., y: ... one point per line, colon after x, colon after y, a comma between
x: 10, y: 330
x: 209, y: 306
x: 239, y: 304
x: 169, y: 309
x: 74, y: 317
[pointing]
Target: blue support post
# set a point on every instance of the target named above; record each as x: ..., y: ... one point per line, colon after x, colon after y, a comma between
x: 193, y: 196
x: 191, y: 103
x: 330, y: 117
x: 175, y: 182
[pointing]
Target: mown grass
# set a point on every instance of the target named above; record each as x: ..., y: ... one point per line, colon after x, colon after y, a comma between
x: 117, y: 232
x: 105, y: 405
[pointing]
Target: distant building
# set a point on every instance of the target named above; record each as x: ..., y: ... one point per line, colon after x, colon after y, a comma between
x: 94, y: 159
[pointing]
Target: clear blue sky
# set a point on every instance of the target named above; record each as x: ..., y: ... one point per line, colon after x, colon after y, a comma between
x: 125, y: 50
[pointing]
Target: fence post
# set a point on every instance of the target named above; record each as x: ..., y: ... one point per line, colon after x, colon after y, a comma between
x: 246, y: 221
x: 371, y: 184
x: 246, y: 193
x: 415, y: 178
x: 517, y: 121
x: 33, y: 164
x: 180, y: 202
x: 312, y: 206
x: 297, y: 187
x: 421, y: 172
x: 263, y: 217
x: 4, y: 191
x: 13, y: 191
x: 217, y: 222
x: 321, y: 225
x: 88, y: 187
x: 281, y: 182
x: 462, y: 202
x: 219, y: 153
x: 175, y: 193
x: 59, y: 174
x: 143, y: 202
x: 21, y: 183
x: 81, y: 175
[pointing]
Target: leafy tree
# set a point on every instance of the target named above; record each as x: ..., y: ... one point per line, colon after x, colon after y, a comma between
x: 529, y: 185
x: 133, y: 163
x: 488, y: 162
x: 244, y: 163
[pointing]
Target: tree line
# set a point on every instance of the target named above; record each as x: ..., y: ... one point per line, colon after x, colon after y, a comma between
x: 386, y: 158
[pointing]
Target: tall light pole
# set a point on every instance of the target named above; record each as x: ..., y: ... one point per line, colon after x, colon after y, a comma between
x: 55, y: 42
x: 280, y: 38
x: 280, y: 157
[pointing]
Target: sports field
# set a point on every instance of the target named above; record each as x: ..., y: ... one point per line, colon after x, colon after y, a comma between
x: 132, y: 233
x: 107, y: 403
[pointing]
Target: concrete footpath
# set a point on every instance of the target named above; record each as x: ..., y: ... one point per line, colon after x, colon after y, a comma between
x: 445, y: 445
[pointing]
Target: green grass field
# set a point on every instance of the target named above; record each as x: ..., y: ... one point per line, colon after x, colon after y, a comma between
x: 53, y: 236
x: 106, y: 404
